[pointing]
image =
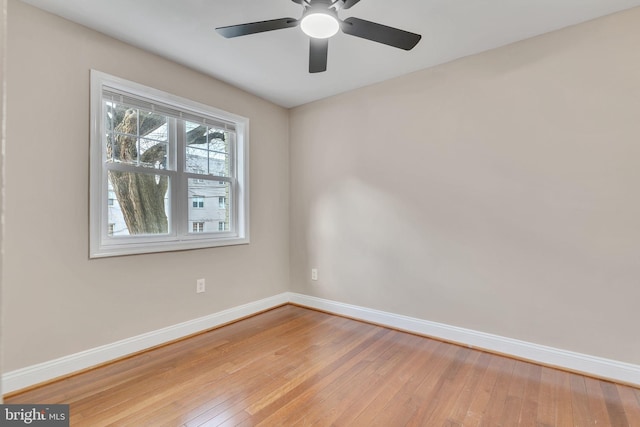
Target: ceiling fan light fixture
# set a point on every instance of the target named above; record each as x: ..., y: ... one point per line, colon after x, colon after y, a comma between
x: 319, y: 21
x: 319, y: 25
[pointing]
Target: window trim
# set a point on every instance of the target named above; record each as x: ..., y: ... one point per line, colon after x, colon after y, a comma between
x: 178, y: 238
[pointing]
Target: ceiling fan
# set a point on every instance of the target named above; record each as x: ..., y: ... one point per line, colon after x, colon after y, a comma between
x: 320, y: 21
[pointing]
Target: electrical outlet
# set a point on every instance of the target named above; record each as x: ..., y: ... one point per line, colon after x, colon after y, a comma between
x: 200, y: 286
x: 314, y: 274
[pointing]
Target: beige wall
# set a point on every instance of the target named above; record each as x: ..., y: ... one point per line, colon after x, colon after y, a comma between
x: 3, y: 18
x: 498, y: 192
x: 57, y: 301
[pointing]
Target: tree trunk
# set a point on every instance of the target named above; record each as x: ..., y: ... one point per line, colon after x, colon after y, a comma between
x: 141, y: 195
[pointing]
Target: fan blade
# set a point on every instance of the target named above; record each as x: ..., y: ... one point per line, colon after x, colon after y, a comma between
x: 256, y: 27
x: 298, y: 1
x: 349, y: 3
x: 318, y: 49
x: 380, y: 33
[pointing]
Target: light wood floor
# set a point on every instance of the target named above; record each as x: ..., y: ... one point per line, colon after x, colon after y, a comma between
x: 294, y: 367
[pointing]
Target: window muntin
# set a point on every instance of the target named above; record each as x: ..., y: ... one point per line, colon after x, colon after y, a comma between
x: 180, y: 155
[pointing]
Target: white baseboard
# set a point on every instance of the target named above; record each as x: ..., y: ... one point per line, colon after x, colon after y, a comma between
x: 599, y: 367
x: 46, y: 371
x: 614, y: 370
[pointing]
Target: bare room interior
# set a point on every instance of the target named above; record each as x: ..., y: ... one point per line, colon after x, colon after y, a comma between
x: 429, y: 218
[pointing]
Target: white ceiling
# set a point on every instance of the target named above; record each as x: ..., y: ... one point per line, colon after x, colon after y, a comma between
x: 274, y: 65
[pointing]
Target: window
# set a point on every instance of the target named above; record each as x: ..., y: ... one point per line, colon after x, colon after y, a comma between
x: 155, y: 157
x: 221, y: 226
x: 198, y: 201
x: 200, y: 172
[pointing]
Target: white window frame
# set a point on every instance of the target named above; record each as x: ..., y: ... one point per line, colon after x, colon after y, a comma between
x: 179, y: 236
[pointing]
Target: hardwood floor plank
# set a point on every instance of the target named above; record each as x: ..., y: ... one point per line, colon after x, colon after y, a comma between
x: 422, y: 393
x: 198, y: 362
x: 435, y: 406
x: 630, y: 401
x: 400, y: 357
x: 313, y: 359
x: 481, y: 399
x: 493, y: 411
x: 319, y: 363
x: 597, y: 405
x: 288, y: 408
x: 564, y: 416
x: 614, y: 404
x: 470, y: 390
x: 295, y: 366
x: 453, y: 387
x: 580, y: 402
x: 515, y: 395
x: 403, y: 396
x: 547, y: 399
x: 375, y: 378
x: 529, y: 411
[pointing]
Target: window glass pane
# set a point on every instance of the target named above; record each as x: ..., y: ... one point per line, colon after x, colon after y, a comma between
x: 153, y: 154
x: 196, y: 160
x: 219, y: 165
x: 207, y: 150
x: 113, y: 114
x: 209, y: 204
x: 130, y: 132
x: 141, y: 203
